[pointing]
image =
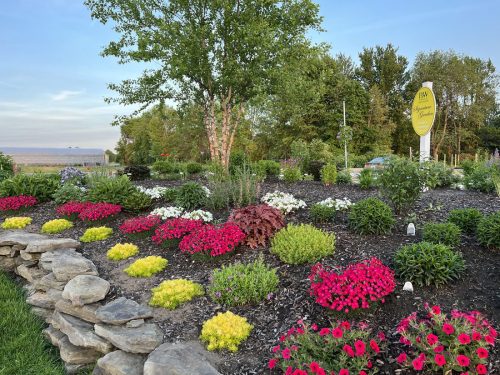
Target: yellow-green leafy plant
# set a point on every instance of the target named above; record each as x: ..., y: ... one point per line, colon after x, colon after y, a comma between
x: 56, y: 226
x: 172, y: 293
x: 96, y: 234
x: 146, y: 267
x: 225, y: 331
x: 18, y: 222
x: 122, y: 251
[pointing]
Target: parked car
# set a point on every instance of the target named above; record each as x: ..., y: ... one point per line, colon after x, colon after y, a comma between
x: 377, y: 163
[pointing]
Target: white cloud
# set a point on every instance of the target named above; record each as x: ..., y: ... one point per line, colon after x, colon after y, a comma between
x: 64, y: 94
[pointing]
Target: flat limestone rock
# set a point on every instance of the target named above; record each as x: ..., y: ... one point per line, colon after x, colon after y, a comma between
x: 53, y: 335
x: 80, y: 333
x: 30, y: 273
x: 19, y: 237
x: 45, y: 314
x: 47, y: 258
x: 45, y: 300
x: 49, y: 282
x: 51, y: 244
x: 178, y: 359
x: 75, y: 355
x: 5, y: 251
x: 121, y: 363
x: 122, y: 310
x: 85, y: 312
x: 71, y: 369
x: 29, y: 256
x: 7, y: 264
x: 84, y: 289
x: 142, y: 339
x: 68, y: 265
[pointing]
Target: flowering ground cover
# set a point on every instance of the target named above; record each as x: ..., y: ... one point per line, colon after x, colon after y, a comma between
x: 292, y: 301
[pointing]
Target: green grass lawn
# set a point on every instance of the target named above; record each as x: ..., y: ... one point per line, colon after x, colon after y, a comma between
x: 23, y: 349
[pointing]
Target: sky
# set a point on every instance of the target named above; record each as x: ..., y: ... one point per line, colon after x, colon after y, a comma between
x: 53, y: 80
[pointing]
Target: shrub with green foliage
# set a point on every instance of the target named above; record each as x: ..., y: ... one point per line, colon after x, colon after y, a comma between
x: 191, y: 196
x: 146, y: 267
x: 241, y: 284
x: 165, y: 167
x: 238, y: 190
x: 344, y: 177
x: 237, y: 160
x: 314, y: 169
x: 137, y: 201
x: 69, y: 192
x: 402, y: 182
x: 39, y: 185
x: 437, y: 174
x: 426, y: 263
x: 479, y: 176
x: 292, y: 174
x: 329, y: 174
x: 137, y: 172
x: 488, y: 231
x: 321, y: 213
x: 194, y: 167
x: 466, y: 219
x: 366, y: 179
x: 444, y: 233
x: 109, y: 189
x: 6, y: 166
x: 371, y: 216
x: 170, y: 194
x: 296, y: 244
x: 269, y: 167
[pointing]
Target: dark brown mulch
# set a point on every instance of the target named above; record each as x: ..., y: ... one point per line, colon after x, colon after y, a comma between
x: 478, y: 289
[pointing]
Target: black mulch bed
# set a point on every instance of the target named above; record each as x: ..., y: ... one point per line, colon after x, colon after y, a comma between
x: 477, y: 290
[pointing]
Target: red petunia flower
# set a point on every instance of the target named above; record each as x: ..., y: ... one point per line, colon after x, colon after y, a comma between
x: 374, y: 346
x: 344, y: 371
x: 272, y: 363
x: 463, y: 360
x: 436, y: 310
x: 348, y: 349
x: 360, y: 348
x: 324, y: 331
x: 337, y: 332
x: 401, y: 358
x: 482, y: 353
x: 418, y: 363
x: 432, y: 339
x: 440, y: 360
x: 285, y: 353
x: 448, y: 328
x: 464, y: 339
x: 481, y: 369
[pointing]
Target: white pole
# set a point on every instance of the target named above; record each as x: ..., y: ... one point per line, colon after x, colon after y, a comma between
x: 345, y: 137
x: 425, y: 140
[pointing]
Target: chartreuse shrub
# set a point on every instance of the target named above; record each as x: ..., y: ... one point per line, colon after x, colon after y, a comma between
x: 371, y: 216
x: 56, y: 226
x: 241, y: 284
x: 321, y: 213
x: 191, y: 195
x: 172, y: 293
x: 96, y: 234
x: 329, y: 174
x: 122, y: 251
x: 296, y: 244
x: 466, y: 219
x: 443, y: 233
x: 427, y: 263
x: 225, y: 331
x: 488, y: 231
x: 17, y: 222
x: 146, y: 267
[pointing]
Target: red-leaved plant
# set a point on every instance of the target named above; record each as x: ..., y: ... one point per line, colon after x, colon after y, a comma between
x: 341, y: 349
x: 17, y: 202
x: 355, y: 287
x: 173, y: 230
x: 99, y: 212
x: 140, y: 226
x: 258, y: 222
x: 72, y: 209
x: 212, y: 240
x: 444, y: 343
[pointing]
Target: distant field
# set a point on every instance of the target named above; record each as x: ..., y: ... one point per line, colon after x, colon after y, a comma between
x: 56, y: 169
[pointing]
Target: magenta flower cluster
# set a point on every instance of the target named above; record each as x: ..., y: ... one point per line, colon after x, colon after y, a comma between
x: 17, y: 202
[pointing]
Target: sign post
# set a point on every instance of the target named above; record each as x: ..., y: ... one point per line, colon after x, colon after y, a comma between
x: 423, y: 114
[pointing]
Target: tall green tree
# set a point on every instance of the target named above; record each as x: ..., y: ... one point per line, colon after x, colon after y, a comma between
x: 218, y: 54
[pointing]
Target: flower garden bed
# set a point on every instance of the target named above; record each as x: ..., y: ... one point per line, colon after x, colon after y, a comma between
x: 477, y: 289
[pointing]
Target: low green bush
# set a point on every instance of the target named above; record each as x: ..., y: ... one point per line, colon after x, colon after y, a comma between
x: 329, y: 174
x: 443, y: 233
x: 165, y: 167
x: 6, y: 166
x: 371, y: 216
x: 241, y: 284
x: 191, y: 196
x: 292, y: 174
x: 269, y: 167
x: 437, y: 174
x: 137, y: 201
x: 344, y: 177
x: 314, y: 169
x: 466, y: 219
x: 426, y: 264
x: 194, y: 167
x: 366, y: 179
x: 480, y: 177
x: 42, y: 186
x: 296, y: 244
x: 321, y: 213
x: 170, y: 195
x: 69, y: 192
x: 488, y: 231
x: 109, y: 189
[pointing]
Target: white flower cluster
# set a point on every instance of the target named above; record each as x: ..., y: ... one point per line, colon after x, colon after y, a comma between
x: 167, y: 212
x: 206, y: 216
x: 207, y: 191
x: 154, y: 193
x: 284, y: 202
x: 338, y: 204
x: 458, y: 186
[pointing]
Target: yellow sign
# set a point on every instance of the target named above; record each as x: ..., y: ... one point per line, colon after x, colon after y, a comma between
x: 423, y: 111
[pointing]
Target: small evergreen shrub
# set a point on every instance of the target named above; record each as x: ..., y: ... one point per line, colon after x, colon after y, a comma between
x: 122, y: 251
x: 172, y: 293
x: 56, y: 226
x: 321, y: 213
x: 96, y: 234
x: 366, y: 179
x: 480, y: 177
x: 270, y: 167
x: 296, y: 244
x: 258, y: 222
x: 314, y: 169
x: 16, y: 222
x: 225, y: 331
x: 241, y: 284
x: 371, y: 216
x: 437, y: 174
x: 146, y: 267
x: 329, y: 174
x: 444, y: 233
x: 292, y: 174
x: 69, y: 192
x: 427, y: 264
x: 344, y: 177
x: 191, y: 195
x: 488, y: 231
x: 466, y: 219
x: 164, y: 167
x: 137, y: 172
x: 170, y: 194
x: 137, y: 201
x: 237, y: 160
x: 194, y: 168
